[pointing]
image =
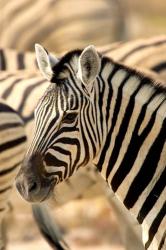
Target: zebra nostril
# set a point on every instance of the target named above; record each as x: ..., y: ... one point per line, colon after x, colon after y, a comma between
x: 32, y: 188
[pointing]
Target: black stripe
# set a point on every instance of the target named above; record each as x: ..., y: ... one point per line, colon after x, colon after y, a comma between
x: 135, y: 142
x: 20, y: 60
x: 8, y: 170
x: 101, y: 97
x: 51, y: 140
x: 152, y: 197
x: 2, y: 209
x: 122, y: 132
x: 109, y: 99
x: 89, y: 114
x: 51, y: 160
x: 162, y: 241
x: 115, y: 114
x: 159, y: 67
x: 8, y: 91
x: 85, y: 143
x: 10, y: 125
x: 86, y: 122
x: 141, y: 47
x: 72, y: 141
x: 26, y: 94
x: 155, y: 225
x: 150, y: 164
x: 13, y: 143
x: 28, y: 118
x: 63, y: 152
x: 57, y: 173
x: 5, y: 108
x: 5, y: 189
x: 2, y: 60
x: 96, y: 113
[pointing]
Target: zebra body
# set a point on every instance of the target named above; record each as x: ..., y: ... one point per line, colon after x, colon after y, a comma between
x: 27, y: 86
x: 12, y: 149
x: 100, y: 112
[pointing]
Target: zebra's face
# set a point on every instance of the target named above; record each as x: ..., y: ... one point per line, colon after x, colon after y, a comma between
x: 64, y: 123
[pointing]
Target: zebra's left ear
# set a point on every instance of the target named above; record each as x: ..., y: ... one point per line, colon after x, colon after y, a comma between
x: 89, y: 65
x: 45, y: 61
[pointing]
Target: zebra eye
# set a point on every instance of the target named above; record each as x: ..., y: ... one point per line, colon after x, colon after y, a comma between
x: 70, y: 117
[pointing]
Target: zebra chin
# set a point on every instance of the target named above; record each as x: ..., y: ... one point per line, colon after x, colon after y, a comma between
x: 33, y: 184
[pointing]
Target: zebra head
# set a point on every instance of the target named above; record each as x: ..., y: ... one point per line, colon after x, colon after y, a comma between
x: 66, y: 136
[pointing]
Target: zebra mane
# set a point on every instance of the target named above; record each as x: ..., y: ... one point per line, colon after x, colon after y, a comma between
x: 68, y: 57
x: 159, y: 86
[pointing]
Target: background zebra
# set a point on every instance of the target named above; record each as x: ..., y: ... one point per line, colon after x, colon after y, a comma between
x: 128, y: 117
x: 56, y: 24
x: 28, y: 86
x: 12, y: 149
x: 143, y: 53
x: 13, y: 60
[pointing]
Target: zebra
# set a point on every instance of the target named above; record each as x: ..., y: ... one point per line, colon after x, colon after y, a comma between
x: 7, y: 80
x: 13, y: 142
x: 100, y: 112
x: 12, y: 149
x: 18, y: 29
x: 141, y: 53
x: 29, y: 85
x: 13, y: 60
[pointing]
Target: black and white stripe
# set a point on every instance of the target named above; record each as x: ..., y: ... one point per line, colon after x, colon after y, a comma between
x: 13, y: 60
x: 12, y: 150
x: 143, y: 54
x: 23, y: 88
x: 117, y: 123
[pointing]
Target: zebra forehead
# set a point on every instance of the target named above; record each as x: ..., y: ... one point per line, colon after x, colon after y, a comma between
x: 57, y: 95
x: 67, y: 58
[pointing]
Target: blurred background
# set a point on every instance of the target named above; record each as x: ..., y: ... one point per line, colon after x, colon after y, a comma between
x: 62, y: 25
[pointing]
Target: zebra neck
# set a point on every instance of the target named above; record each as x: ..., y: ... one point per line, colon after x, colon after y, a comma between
x: 132, y: 158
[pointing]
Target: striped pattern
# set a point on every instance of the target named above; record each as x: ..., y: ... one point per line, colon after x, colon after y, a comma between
x: 26, y: 22
x: 143, y: 54
x: 27, y: 89
x: 22, y: 90
x: 119, y: 125
x: 12, y: 149
x: 12, y: 60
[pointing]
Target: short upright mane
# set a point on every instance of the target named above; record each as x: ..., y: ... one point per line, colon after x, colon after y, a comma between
x: 159, y: 86
x: 58, y: 68
x: 65, y: 59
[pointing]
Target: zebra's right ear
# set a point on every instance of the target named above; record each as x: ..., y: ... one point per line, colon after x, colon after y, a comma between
x: 45, y: 61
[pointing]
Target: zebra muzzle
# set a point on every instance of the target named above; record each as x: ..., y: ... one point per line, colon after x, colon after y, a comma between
x: 32, y: 182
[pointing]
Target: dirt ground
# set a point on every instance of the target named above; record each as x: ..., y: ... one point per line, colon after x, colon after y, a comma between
x: 87, y: 225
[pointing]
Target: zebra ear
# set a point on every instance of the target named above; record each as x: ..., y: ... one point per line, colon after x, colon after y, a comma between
x: 88, y: 65
x: 45, y: 61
